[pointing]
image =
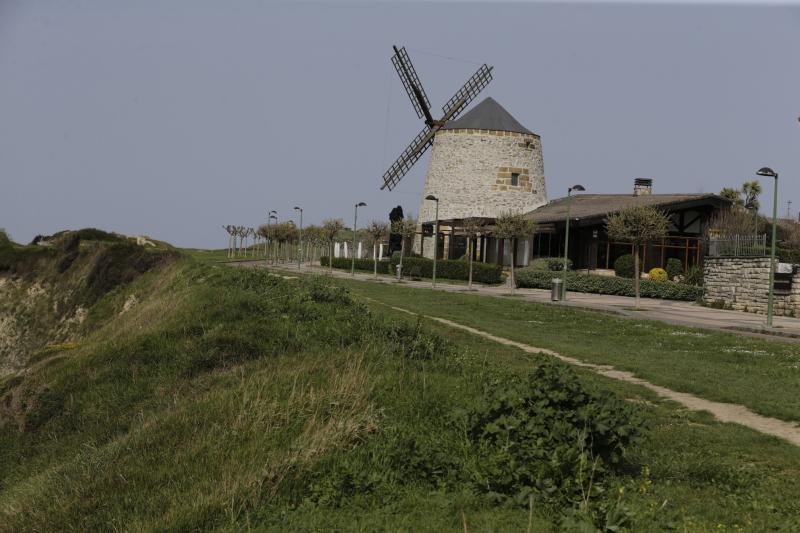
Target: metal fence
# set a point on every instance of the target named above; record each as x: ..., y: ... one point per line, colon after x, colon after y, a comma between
x: 738, y: 246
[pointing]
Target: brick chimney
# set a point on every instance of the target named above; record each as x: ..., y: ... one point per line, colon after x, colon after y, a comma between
x: 642, y: 186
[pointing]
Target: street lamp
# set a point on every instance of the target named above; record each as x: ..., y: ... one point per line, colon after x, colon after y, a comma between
x: 435, y: 236
x: 300, y: 254
x: 273, y: 215
x: 353, y: 252
x: 769, y: 173
x: 578, y: 188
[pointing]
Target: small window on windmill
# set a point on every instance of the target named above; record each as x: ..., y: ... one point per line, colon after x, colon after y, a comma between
x: 514, y: 179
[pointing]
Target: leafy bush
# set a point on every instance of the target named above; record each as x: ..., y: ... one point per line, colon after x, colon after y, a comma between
x: 121, y: 263
x: 623, y: 266
x: 544, y: 433
x: 550, y: 263
x: 693, y: 277
x: 658, y: 274
x: 789, y: 255
x: 415, y: 273
x: 536, y: 279
x: 366, y: 265
x: 5, y: 240
x: 453, y: 269
x: 674, y: 268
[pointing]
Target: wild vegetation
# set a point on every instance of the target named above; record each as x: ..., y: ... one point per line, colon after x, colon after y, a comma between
x: 232, y: 398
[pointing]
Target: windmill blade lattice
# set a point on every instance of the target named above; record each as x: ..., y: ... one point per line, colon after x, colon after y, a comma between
x: 410, y: 155
x: 408, y: 75
x: 468, y: 92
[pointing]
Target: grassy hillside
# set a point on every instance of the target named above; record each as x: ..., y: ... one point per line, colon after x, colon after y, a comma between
x: 198, y: 396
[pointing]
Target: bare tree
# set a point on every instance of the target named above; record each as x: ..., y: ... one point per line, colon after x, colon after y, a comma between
x: 231, y: 230
x: 331, y: 228
x: 406, y: 228
x: 637, y: 225
x: 377, y: 231
x: 472, y: 228
x: 513, y: 226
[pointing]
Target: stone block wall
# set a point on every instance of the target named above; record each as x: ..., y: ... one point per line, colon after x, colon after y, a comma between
x: 471, y: 172
x: 743, y: 283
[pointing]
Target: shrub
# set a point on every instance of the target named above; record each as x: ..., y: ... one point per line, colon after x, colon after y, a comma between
x: 542, y: 432
x: 453, y: 269
x: 415, y: 273
x: 786, y: 255
x: 537, y: 279
x: 550, y: 263
x: 693, y: 277
x: 623, y: 266
x: 658, y: 274
x: 5, y: 240
x: 366, y: 265
x: 674, y: 268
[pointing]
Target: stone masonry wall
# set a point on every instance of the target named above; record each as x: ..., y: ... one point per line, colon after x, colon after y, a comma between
x: 743, y: 283
x: 470, y: 171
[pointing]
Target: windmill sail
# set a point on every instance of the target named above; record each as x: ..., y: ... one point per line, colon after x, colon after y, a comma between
x: 408, y: 75
x: 468, y: 92
x: 410, y: 155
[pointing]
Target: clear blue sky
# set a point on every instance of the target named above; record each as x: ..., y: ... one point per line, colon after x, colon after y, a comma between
x: 172, y: 118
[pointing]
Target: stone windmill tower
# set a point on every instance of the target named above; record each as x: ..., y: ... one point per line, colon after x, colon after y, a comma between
x: 482, y: 164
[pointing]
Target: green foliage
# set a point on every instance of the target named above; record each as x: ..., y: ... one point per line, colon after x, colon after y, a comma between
x: 529, y: 278
x: 693, y: 277
x: 637, y: 225
x: 94, y: 234
x: 658, y: 274
x: 362, y: 264
x: 624, y: 266
x: 453, y: 269
x: 789, y: 255
x: 674, y: 268
x: 544, y: 433
x: 121, y: 263
x: 5, y: 239
x: 554, y: 264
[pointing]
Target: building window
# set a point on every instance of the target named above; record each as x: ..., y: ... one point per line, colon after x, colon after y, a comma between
x: 514, y: 179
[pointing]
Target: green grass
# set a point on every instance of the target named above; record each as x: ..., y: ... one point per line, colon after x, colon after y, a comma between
x: 761, y: 374
x: 230, y: 399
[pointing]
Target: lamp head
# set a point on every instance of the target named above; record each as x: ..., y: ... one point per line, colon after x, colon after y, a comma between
x: 298, y: 208
x: 273, y: 212
x: 431, y: 197
x: 768, y: 172
x: 361, y: 204
x: 578, y: 188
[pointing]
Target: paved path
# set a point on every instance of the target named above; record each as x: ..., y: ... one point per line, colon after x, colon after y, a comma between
x: 670, y: 311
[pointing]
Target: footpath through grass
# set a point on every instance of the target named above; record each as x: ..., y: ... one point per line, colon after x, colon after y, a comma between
x: 761, y: 374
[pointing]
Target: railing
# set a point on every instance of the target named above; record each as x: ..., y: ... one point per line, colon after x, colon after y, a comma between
x: 738, y: 246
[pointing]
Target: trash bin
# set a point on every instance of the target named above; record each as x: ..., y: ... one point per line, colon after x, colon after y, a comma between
x: 555, y: 295
x: 399, y: 272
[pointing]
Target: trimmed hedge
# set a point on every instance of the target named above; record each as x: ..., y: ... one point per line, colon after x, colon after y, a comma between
x: 674, y: 268
x: 789, y: 255
x: 366, y: 265
x: 624, y: 267
x: 550, y: 263
x: 536, y: 279
x: 452, y: 269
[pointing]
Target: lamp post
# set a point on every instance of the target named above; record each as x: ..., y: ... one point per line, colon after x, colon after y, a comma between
x: 435, y: 237
x: 353, y: 252
x: 273, y: 215
x: 300, y: 251
x: 768, y: 172
x: 566, y: 238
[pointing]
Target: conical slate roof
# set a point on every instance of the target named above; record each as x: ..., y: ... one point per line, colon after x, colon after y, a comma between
x: 488, y: 115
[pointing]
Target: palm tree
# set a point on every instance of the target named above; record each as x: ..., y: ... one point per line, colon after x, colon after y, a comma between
x: 406, y: 228
x: 513, y: 226
x: 472, y: 228
x: 331, y: 228
x: 377, y: 231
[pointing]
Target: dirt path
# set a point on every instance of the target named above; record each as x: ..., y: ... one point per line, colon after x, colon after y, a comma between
x: 725, y: 412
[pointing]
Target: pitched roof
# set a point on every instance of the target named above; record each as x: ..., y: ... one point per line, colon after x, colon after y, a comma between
x: 597, y: 206
x: 488, y: 115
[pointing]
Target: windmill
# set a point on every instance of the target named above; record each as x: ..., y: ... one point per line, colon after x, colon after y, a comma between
x: 422, y: 106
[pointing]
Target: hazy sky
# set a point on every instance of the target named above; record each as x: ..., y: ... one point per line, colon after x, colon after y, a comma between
x: 172, y: 118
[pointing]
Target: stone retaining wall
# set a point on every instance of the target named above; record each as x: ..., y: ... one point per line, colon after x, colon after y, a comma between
x: 743, y: 284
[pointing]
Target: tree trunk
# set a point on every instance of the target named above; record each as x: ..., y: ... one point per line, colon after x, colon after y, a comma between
x: 636, y: 274
x: 330, y: 259
x: 375, y: 259
x: 469, y: 253
x: 513, y: 260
